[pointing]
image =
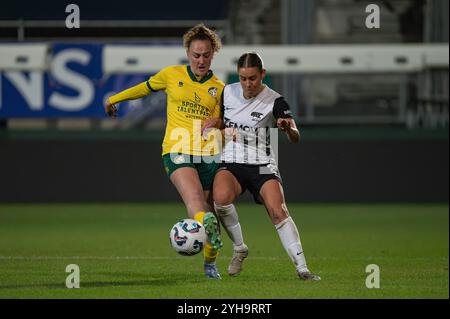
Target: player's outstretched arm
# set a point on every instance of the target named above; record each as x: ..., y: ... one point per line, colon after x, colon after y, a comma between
x: 132, y: 93
x: 288, y: 126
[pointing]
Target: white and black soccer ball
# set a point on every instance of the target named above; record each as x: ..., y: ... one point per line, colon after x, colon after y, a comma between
x: 188, y: 237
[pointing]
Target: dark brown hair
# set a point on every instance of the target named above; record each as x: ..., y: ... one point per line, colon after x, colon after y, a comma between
x: 250, y: 60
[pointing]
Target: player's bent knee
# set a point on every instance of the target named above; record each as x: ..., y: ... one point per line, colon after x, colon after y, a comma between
x: 223, y: 197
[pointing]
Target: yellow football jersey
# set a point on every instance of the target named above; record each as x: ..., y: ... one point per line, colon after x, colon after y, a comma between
x: 190, y: 101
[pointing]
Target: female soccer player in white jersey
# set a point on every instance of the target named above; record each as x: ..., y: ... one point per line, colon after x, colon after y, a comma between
x: 250, y: 108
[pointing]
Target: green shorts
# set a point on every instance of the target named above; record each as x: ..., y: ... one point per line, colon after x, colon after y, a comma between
x: 206, y: 166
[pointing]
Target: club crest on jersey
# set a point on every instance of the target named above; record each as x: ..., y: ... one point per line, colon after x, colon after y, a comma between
x: 213, y: 91
x: 197, y: 98
x: 180, y: 84
x: 256, y: 115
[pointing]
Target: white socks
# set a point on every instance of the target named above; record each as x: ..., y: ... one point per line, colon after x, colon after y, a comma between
x: 287, y: 230
x: 230, y: 220
x: 291, y: 242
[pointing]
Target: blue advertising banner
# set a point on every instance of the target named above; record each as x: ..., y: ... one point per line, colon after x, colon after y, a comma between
x: 73, y: 86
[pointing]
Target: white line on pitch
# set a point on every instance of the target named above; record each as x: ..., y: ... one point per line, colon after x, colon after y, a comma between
x: 368, y: 258
x: 107, y: 257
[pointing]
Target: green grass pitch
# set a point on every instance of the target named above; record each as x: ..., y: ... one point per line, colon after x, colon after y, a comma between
x: 123, y: 251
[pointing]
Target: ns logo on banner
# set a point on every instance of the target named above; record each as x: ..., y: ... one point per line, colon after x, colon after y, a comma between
x: 69, y: 86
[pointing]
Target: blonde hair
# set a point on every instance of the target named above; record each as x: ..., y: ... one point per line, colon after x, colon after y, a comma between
x: 201, y: 32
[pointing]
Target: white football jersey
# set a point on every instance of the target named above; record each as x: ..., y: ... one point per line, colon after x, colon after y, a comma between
x: 253, y: 119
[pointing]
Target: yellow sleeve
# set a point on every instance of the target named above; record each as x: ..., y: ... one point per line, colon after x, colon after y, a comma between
x: 158, y: 81
x: 132, y: 93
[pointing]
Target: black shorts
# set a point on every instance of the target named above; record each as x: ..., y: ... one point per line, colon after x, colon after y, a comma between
x: 252, y: 177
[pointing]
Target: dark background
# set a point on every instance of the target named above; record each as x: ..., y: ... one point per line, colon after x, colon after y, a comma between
x: 128, y: 168
x: 111, y: 10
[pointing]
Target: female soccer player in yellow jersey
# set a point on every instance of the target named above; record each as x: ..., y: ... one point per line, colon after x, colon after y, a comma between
x: 193, y: 96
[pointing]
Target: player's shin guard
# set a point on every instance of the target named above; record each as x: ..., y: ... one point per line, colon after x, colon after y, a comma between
x: 209, y: 253
x: 290, y: 238
x: 229, y: 218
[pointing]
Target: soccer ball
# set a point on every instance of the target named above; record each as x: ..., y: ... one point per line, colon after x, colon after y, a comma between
x: 188, y: 237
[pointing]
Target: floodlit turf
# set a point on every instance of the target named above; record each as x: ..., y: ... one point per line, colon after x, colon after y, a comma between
x: 123, y: 251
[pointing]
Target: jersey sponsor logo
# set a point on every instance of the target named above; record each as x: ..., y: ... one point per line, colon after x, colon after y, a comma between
x: 213, y: 91
x: 194, y: 109
x: 229, y: 123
